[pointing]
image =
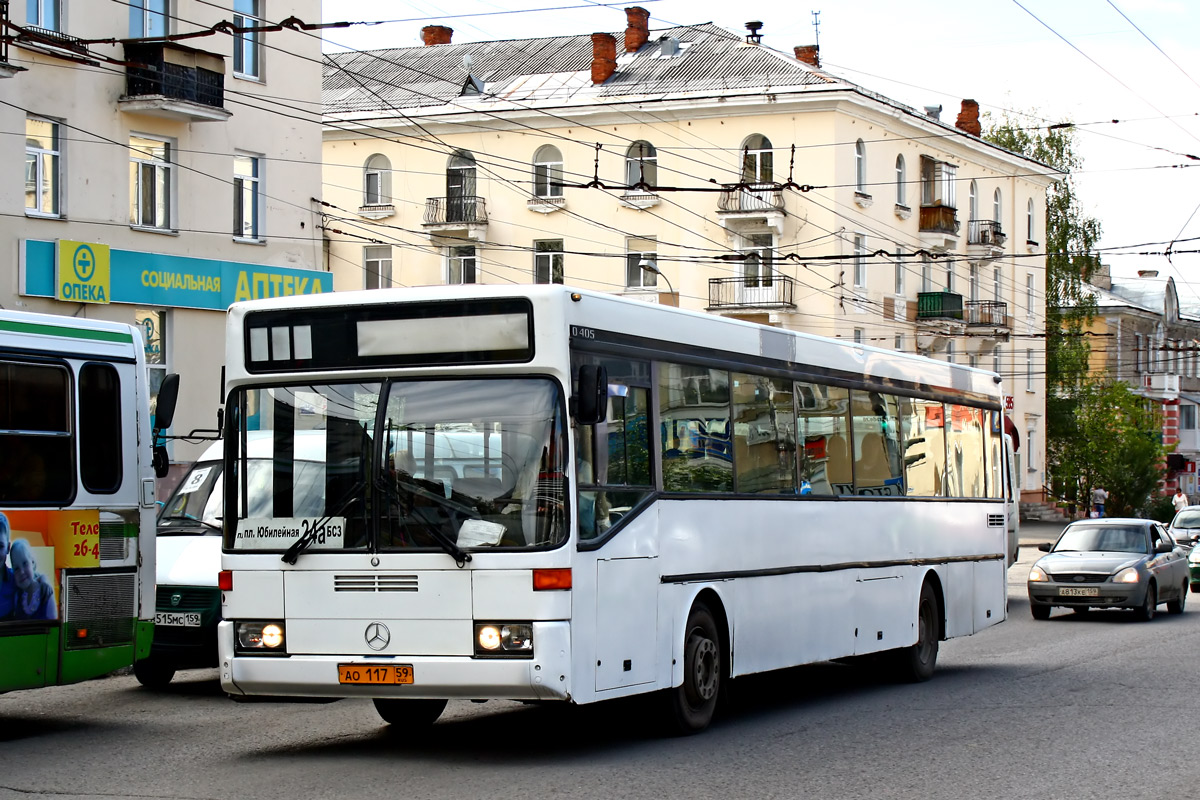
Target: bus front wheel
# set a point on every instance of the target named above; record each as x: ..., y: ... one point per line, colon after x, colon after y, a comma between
x: 153, y: 673
x: 410, y: 713
x: 691, y: 705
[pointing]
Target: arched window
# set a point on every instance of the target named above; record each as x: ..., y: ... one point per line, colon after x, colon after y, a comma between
x: 377, y: 181
x: 547, y: 172
x: 973, y: 202
x: 1029, y: 229
x: 641, y: 164
x: 460, y: 188
x: 757, y: 160
x: 996, y: 207
x: 860, y: 167
x: 901, y: 181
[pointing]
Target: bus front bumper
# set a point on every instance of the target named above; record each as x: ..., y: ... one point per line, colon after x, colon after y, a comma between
x: 546, y: 676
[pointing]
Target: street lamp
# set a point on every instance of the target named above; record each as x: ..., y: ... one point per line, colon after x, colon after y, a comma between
x: 646, y: 265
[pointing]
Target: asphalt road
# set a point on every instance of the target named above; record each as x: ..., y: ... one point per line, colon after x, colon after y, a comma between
x: 1073, y: 707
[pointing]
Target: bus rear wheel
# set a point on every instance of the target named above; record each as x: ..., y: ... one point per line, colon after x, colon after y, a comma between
x: 916, y: 663
x: 152, y: 673
x: 692, y: 704
x: 410, y: 713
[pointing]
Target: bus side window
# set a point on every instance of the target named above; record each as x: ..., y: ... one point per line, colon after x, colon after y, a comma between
x: 822, y: 426
x: 876, y: 449
x: 924, y: 447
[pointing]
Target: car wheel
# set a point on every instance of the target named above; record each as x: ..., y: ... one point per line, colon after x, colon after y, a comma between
x: 410, y: 713
x: 1040, y: 612
x: 152, y: 673
x: 691, y: 705
x: 1176, y: 606
x: 916, y: 663
x: 1146, y: 612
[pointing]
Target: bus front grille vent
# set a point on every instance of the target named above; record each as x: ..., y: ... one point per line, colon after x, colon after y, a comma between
x: 373, y: 582
x: 114, y: 544
x: 995, y: 520
x: 99, y: 609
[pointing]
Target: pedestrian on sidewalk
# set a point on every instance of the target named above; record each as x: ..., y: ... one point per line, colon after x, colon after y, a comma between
x: 1180, y: 500
x: 1099, y: 498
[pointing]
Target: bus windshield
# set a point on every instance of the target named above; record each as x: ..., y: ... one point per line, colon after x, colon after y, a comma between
x: 404, y: 465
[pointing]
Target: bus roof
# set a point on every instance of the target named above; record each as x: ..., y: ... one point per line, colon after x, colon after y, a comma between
x: 53, y: 333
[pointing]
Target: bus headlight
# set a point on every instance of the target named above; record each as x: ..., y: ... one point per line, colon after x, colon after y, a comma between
x: 503, y: 639
x: 261, y: 637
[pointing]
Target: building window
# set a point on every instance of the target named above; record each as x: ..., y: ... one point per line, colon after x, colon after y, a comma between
x: 1137, y: 352
x: 938, y: 183
x: 860, y: 335
x: 247, y: 47
x: 757, y: 160
x: 901, y: 182
x: 548, y: 261
x: 899, y: 268
x: 153, y: 322
x: 43, y: 167
x: 377, y: 181
x: 899, y: 342
x: 377, y: 267
x: 1029, y: 370
x: 860, y: 167
x: 1029, y: 222
x: 973, y: 284
x: 996, y: 360
x: 460, y: 267
x: 996, y: 207
x: 636, y: 252
x: 860, y: 260
x: 150, y: 182
x: 758, y: 268
x: 973, y: 201
x: 996, y: 284
x: 247, y: 197
x: 973, y: 361
x: 45, y: 14
x: 949, y: 352
x: 148, y: 18
x: 949, y: 276
x: 926, y: 274
x: 1187, y: 417
x: 547, y: 172
x: 641, y: 165
x: 1029, y: 294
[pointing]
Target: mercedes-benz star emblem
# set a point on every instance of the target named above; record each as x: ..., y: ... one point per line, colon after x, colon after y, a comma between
x: 377, y: 636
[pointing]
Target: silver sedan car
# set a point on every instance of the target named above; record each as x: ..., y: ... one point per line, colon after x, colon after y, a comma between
x: 1110, y: 563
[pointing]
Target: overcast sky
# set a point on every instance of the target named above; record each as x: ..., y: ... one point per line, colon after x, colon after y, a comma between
x: 1085, y: 61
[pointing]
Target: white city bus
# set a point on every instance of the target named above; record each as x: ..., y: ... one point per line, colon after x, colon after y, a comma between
x: 649, y: 500
x: 76, y: 498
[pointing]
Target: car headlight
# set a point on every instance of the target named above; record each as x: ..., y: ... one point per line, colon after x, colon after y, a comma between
x: 1127, y: 575
x: 1194, y: 556
x: 263, y: 637
x: 1037, y: 574
x: 503, y: 639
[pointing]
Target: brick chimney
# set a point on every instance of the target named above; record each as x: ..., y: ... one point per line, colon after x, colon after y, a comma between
x: 638, y: 31
x: 809, y: 53
x: 436, y: 34
x: 604, y: 57
x: 968, y: 118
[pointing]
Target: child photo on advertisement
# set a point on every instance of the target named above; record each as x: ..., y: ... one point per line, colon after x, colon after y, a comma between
x: 8, y: 584
x: 34, y: 592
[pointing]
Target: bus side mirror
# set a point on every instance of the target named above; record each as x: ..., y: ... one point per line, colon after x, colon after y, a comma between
x: 591, y: 402
x: 168, y: 393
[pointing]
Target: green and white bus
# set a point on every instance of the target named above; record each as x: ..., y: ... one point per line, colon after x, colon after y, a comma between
x: 77, y: 498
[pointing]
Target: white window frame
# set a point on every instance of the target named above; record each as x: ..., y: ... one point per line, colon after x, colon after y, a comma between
x: 1029, y: 294
x: 758, y: 163
x: 41, y: 18
x: 860, y: 167
x: 950, y: 353
x: 899, y: 269
x: 997, y: 207
x: 142, y: 15
x: 636, y: 248
x: 381, y: 257
x: 950, y: 275
x: 996, y: 359
x: 939, y: 182
x: 926, y: 274
x: 860, y: 260
x: 973, y: 284
x: 248, y: 188
x: 860, y: 336
x: 1030, y: 222
x: 251, y: 43
x: 973, y: 201
x: 899, y: 342
x: 548, y: 172
x: 543, y: 261
x: 379, y: 167
x: 457, y: 261
x: 996, y: 284
x: 1029, y: 370
x: 901, y: 182
x: 640, y: 165
x: 164, y: 168
x: 36, y: 179
x: 158, y: 364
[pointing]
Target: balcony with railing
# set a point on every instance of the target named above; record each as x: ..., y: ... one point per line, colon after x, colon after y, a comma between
x: 457, y: 214
x: 985, y: 238
x: 775, y: 291
x: 751, y: 204
x: 7, y: 69
x: 939, y: 305
x: 989, y: 313
x: 163, y: 79
x: 939, y: 219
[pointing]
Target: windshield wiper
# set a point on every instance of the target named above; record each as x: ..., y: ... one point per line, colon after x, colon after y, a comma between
x: 460, y: 556
x: 190, y: 518
x: 306, y: 541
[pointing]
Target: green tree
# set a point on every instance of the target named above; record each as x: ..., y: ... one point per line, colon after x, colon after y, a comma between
x: 1114, y: 442
x: 1071, y: 260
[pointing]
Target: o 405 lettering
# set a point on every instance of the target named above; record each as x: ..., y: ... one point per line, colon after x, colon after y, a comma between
x: 583, y: 333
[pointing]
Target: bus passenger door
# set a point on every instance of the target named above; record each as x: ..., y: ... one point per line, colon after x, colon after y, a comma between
x: 626, y: 621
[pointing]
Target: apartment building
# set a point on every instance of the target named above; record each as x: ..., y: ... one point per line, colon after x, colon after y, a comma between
x: 163, y: 176
x: 696, y: 166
